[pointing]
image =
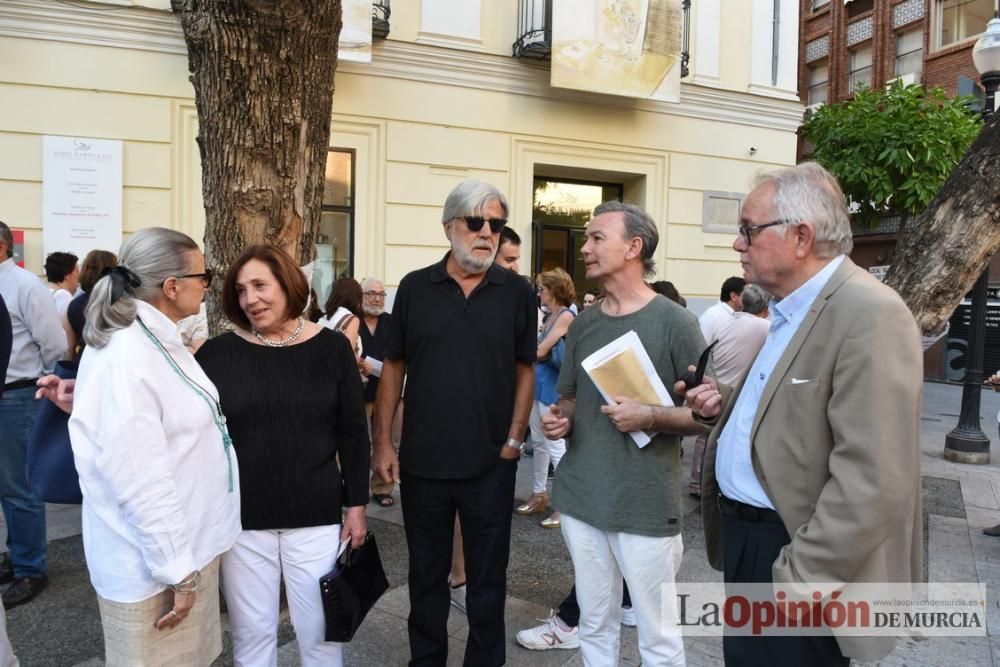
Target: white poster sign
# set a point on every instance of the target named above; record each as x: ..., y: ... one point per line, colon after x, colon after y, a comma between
x: 81, y: 195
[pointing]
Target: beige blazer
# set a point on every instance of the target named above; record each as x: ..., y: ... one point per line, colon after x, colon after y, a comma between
x: 838, y: 451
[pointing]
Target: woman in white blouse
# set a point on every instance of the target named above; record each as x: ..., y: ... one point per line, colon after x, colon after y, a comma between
x: 159, y: 477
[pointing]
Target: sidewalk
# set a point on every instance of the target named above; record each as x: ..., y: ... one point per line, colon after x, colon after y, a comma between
x: 62, y: 626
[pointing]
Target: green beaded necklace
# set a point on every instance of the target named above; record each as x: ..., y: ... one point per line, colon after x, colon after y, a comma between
x: 213, y: 405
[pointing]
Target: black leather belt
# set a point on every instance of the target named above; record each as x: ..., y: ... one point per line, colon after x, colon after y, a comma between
x: 20, y: 384
x: 747, y: 512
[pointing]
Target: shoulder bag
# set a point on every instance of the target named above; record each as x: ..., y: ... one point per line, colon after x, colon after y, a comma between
x: 51, y: 469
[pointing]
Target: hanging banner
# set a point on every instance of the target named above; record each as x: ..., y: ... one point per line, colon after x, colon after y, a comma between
x: 619, y: 47
x: 81, y: 195
x: 356, y: 35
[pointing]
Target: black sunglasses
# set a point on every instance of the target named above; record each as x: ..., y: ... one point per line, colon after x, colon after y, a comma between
x: 476, y: 222
x: 206, y: 277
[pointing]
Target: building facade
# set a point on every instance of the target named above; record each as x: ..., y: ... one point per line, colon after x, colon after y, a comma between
x: 442, y: 100
x: 873, y: 42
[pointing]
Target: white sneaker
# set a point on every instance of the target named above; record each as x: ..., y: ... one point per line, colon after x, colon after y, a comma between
x: 549, y: 635
x: 458, y: 597
x: 628, y: 617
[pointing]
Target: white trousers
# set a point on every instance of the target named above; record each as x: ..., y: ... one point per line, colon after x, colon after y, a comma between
x: 7, y: 657
x: 545, y: 450
x: 649, y: 565
x: 251, y: 576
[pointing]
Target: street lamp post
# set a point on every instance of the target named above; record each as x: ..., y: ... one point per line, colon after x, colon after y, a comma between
x: 966, y: 443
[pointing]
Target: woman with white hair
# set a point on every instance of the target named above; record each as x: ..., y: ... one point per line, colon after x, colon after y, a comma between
x: 158, y: 474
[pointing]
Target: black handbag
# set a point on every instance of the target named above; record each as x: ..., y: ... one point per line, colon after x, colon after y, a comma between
x: 356, y: 582
x: 51, y: 469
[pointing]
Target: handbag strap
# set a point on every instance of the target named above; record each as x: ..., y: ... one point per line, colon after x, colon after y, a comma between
x: 342, y: 323
x: 550, y: 321
x: 344, y: 559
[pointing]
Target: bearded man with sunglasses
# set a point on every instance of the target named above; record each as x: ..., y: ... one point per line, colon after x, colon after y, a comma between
x: 463, y: 333
x: 811, y: 479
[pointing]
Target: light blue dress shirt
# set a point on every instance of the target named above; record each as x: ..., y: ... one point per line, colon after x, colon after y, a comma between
x: 39, y: 339
x: 733, y: 466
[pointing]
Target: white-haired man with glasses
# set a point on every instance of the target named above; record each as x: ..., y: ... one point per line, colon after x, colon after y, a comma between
x: 463, y: 332
x: 812, y: 472
x: 374, y: 334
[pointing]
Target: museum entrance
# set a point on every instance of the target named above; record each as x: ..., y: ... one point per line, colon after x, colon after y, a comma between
x: 560, y: 211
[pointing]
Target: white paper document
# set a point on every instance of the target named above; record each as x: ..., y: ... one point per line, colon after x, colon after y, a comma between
x: 623, y: 368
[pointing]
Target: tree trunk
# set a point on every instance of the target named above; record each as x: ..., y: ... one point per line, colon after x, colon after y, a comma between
x: 950, y: 244
x: 263, y: 79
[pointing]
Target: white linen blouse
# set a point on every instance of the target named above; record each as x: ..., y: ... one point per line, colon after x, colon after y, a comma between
x: 157, y: 502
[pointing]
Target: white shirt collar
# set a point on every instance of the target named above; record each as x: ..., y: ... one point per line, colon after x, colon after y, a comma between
x: 162, y: 326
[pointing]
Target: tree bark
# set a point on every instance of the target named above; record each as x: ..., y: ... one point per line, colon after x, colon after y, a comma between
x: 951, y: 243
x: 263, y: 78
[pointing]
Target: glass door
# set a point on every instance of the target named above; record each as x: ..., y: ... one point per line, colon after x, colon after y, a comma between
x: 561, y: 210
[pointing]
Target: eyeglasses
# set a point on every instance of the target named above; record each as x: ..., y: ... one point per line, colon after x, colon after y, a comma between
x: 476, y: 222
x: 206, y: 278
x: 375, y: 295
x: 749, y: 231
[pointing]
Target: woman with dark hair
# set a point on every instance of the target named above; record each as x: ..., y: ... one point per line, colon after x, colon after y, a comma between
x: 343, y: 311
x: 292, y: 395
x: 160, y: 484
x: 667, y: 289
x: 94, y: 265
x: 556, y: 293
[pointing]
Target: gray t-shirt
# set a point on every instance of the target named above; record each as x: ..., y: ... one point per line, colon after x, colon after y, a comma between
x: 604, y: 479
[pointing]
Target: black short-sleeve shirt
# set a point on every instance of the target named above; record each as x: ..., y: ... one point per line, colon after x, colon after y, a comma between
x: 460, y: 356
x: 373, y: 345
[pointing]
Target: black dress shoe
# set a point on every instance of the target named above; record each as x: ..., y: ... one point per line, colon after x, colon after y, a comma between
x: 24, y: 589
x: 6, y: 570
x: 993, y: 531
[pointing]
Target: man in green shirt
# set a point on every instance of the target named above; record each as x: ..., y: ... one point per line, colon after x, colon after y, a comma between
x: 621, y: 504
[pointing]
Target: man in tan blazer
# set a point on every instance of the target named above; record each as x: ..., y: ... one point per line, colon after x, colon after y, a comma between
x: 812, y: 472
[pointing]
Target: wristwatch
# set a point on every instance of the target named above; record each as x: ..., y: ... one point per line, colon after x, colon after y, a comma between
x: 514, y: 443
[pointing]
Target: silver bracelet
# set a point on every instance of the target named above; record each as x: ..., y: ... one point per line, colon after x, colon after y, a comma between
x: 188, y: 584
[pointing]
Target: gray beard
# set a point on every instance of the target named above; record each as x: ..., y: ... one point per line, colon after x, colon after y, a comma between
x: 372, y: 311
x: 470, y: 262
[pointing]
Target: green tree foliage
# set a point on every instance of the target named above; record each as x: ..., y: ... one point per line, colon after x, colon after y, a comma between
x: 892, y: 148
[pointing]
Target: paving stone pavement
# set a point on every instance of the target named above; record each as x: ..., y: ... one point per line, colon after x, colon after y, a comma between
x: 62, y: 627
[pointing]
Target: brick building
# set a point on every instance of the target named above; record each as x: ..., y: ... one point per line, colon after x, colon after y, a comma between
x: 873, y: 42
x: 844, y: 43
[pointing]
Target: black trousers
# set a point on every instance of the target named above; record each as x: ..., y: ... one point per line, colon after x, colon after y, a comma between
x: 484, y: 505
x: 749, y: 550
x: 569, y: 609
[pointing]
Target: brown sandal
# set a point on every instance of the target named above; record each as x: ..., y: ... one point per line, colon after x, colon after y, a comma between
x: 536, y: 504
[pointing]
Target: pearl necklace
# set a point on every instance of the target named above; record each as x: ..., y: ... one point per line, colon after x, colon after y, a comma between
x: 280, y: 343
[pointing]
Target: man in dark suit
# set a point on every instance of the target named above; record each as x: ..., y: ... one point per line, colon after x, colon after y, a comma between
x: 812, y: 472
